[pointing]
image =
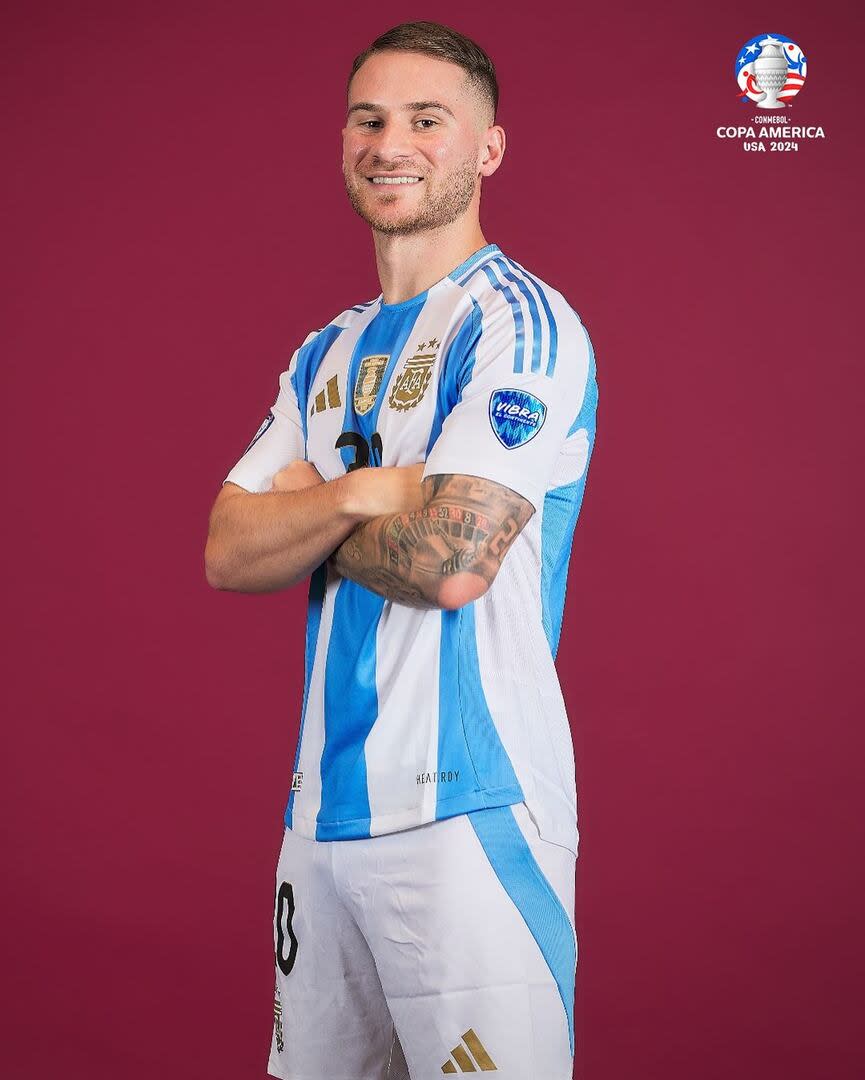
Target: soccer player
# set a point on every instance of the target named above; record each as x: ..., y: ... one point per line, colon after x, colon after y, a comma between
x: 425, y: 461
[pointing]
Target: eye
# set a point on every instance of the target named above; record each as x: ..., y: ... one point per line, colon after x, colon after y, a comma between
x: 428, y: 120
x: 366, y: 123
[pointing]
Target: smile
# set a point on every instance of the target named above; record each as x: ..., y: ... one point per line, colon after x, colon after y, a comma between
x: 395, y: 179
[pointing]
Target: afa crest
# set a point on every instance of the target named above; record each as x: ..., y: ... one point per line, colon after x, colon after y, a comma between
x: 411, y: 383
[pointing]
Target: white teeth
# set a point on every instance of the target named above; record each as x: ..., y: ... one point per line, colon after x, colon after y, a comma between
x: 396, y: 179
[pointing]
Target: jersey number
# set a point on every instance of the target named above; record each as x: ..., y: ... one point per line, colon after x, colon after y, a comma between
x: 363, y: 450
x: 284, y: 915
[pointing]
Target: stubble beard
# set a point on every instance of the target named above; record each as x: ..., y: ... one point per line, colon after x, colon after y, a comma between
x: 446, y: 203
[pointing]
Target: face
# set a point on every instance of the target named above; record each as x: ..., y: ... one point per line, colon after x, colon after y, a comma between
x: 416, y: 118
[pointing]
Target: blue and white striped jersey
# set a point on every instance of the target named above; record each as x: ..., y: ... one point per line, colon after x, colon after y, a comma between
x: 411, y: 715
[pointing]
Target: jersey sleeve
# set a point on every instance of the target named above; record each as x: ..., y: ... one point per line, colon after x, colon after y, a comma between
x: 279, y: 440
x: 516, y: 400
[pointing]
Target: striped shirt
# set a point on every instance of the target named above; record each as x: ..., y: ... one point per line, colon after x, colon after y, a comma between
x: 412, y: 715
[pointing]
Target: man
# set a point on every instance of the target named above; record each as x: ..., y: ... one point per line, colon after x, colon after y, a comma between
x: 424, y: 461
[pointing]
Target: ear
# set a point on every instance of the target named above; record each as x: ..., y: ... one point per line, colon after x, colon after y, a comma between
x: 492, y: 151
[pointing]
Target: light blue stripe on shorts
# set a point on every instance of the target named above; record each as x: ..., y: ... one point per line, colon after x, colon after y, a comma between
x: 526, y: 884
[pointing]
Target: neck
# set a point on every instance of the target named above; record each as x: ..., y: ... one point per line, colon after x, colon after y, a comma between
x: 408, y: 265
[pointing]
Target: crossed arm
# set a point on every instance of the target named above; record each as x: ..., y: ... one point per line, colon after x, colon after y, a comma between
x: 443, y: 555
x: 436, y: 543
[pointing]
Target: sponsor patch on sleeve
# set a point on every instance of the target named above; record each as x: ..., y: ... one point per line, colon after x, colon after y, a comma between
x: 268, y: 420
x: 516, y: 416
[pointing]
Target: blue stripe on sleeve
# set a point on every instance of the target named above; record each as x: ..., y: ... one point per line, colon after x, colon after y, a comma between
x: 516, y: 312
x: 554, y: 333
x: 507, y: 272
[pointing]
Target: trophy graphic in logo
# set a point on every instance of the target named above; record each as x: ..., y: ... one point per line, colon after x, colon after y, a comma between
x: 770, y: 71
x: 368, y: 382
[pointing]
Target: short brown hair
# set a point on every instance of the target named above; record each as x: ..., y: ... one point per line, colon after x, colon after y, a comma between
x: 434, y: 39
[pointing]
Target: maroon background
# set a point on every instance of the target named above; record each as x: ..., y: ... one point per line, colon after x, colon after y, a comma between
x: 177, y: 224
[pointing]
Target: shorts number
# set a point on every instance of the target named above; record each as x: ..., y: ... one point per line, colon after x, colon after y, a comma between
x: 363, y: 450
x: 284, y: 915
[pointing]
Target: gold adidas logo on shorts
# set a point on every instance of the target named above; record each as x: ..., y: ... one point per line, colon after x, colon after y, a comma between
x: 479, y: 1058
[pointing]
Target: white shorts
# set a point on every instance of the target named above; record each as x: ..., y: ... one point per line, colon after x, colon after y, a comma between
x: 439, y: 950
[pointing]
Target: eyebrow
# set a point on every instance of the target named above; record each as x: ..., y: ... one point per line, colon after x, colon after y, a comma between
x: 411, y: 106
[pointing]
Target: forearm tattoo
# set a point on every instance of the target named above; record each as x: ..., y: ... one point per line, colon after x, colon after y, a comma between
x: 467, y: 525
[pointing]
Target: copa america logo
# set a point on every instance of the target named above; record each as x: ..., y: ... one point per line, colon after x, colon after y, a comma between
x: 770, y: 71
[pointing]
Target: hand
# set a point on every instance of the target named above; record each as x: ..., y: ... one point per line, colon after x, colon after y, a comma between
x: 392, y: 489
x: 379, y: 492
x: 296, y: 476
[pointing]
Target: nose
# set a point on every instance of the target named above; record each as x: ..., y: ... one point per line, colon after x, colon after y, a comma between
x: 392, y: 143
